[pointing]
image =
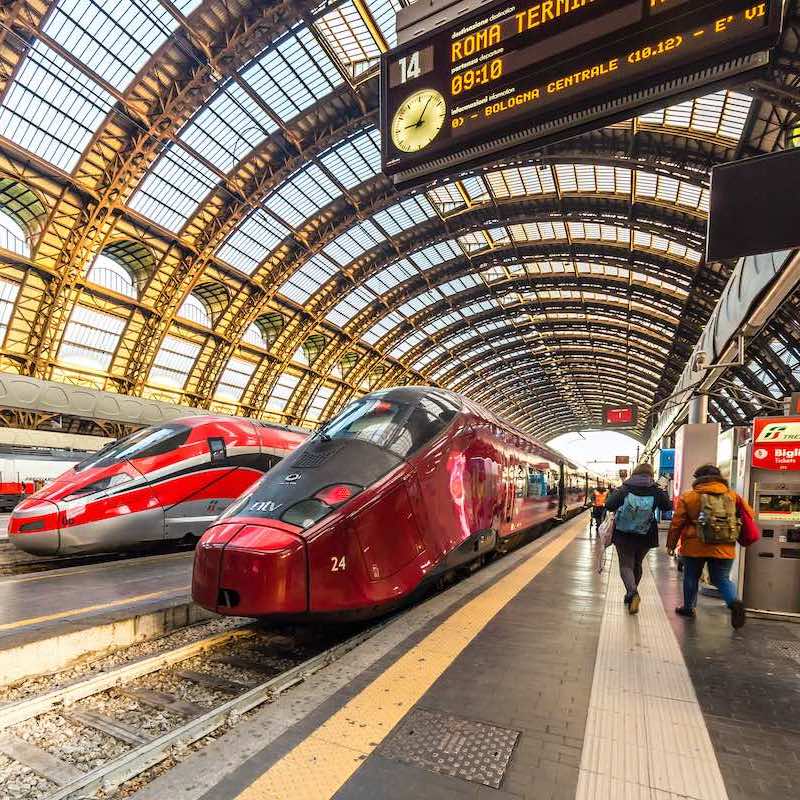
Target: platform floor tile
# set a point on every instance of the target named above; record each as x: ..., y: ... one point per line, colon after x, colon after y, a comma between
x: 645, y: 736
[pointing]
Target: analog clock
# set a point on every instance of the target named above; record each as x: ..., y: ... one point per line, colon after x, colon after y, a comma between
x: 418, y: 120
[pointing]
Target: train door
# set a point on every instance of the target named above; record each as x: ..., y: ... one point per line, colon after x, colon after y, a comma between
x: 562, y: 490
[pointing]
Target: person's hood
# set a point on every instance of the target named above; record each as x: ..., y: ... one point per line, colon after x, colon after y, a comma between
x: 639, y: 482
x: 710, y: 484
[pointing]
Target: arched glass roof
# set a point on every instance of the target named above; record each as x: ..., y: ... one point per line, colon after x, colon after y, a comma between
x: 233, y: 164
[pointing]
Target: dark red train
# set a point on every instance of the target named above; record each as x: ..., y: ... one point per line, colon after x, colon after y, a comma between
x: 402, y: 487
x: 166, y: 482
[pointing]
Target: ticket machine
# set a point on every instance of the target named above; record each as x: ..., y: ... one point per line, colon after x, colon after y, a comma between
x: 769, y: 476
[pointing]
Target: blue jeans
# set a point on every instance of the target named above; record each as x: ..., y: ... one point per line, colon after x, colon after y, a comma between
x: 719, y: 570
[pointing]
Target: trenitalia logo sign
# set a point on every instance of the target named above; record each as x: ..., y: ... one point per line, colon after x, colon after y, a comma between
x: 776, y: 443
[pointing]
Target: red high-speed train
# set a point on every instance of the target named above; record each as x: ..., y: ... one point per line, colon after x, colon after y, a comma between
x: 166, y: 482
x: 400, y: 488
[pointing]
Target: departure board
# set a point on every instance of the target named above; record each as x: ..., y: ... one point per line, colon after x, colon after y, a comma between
x: 515, y: 74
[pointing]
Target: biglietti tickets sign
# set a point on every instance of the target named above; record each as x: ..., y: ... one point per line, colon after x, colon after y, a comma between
x: 776, y: 443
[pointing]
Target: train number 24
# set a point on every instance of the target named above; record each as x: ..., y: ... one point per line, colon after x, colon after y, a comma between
x: 338, y: 564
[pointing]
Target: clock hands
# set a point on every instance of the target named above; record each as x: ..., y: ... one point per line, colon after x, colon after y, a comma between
x: 421, y: 116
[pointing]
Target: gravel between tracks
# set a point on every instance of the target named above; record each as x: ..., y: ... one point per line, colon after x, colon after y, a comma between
x: 104, y: 662
x: 20, y: 783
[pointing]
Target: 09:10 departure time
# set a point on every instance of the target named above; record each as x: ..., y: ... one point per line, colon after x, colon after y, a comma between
x: 466, y: 80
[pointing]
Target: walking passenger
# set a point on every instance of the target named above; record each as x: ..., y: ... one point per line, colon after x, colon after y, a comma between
x: 706, y: 526
x: 635, y: 527
x: 599, y: 497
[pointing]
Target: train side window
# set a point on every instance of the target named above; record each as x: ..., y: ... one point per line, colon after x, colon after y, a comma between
x: 217, y: 449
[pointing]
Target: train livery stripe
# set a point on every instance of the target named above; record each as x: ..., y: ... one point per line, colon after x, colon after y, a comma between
x: 322, y: 763
x: 24, y: 623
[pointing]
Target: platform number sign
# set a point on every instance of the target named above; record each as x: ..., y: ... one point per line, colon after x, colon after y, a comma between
x: 409, y: 67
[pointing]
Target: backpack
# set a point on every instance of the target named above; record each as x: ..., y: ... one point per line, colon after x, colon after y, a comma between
x: 717, y: 522
x: 635, y: 514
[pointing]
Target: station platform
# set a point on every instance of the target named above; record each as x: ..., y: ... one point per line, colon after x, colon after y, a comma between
x: 529, y: 681
x: 47, y: 619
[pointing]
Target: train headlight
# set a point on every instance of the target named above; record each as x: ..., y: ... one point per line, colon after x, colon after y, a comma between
x: 101, y: 485
x: 337, y: 494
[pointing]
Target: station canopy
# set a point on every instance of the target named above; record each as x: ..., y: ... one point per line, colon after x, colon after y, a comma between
x: 192, y: 209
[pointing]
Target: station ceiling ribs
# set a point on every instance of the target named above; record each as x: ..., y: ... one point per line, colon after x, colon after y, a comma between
x: 548, y: 286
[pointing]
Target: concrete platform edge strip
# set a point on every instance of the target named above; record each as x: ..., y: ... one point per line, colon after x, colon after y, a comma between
x: 53, y: 653
x: 646, y: 737
x: 249, y: 747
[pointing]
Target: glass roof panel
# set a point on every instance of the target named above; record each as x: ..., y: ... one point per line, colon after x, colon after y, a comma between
x: 436, y: 254
x: 407, y: 343
x: 282, y: 391
x: 234, y: 379
x: 253, y: 335
x: 383, y: 13
x: 51, y: 108
x: 173, y: 189
x: 13, y: 236
x: 229, y: 127
x: 355, y: 159
x: 345, y: 31
x: 8, y: 295
x: 350, y: 305
x: 252, y: 241
x: 391, y: 276
x: 382, y: 327
x: 293, y: 74
x: 404, y: 215
x: 173, y: 362
x: 107, y: 272
x: 722, y: 114
x: 416, y: 304
x: 348, y: 246
x: 114, y: 39
x: 519, y: 181
x: 305, y: 281
x: 538, y: 231
x: 302, y: 195
x: 195, y: 310
x: 90, y: 338
x: 318, y: 402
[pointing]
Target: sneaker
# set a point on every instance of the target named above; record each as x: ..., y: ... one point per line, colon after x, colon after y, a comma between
x: 636, y: 601
x: 682, y: 611
x: 738, y: 615
x: 626, y: 600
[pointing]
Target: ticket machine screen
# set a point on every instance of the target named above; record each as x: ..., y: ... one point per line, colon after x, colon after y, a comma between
x: 779, y: 507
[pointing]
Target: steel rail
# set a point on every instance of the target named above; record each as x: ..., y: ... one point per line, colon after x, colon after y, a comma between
x: 134, y: 762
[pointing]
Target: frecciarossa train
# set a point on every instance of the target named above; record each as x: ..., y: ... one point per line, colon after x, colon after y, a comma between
x: 166, y: 482
x: 400, y: 488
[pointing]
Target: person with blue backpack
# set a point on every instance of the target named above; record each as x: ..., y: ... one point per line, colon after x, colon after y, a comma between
x: 635, y: 526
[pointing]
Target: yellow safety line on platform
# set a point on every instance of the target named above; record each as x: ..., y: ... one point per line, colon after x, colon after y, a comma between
x: 7, y: 626
x: 321, y: 764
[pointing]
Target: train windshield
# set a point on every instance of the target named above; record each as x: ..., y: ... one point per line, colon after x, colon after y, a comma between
x: 142, y: 444
x: 399, y: 427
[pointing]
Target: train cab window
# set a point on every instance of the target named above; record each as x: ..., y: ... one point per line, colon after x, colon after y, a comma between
x: 217, y: 450
x: 145, y: 443
x: 372, y: 420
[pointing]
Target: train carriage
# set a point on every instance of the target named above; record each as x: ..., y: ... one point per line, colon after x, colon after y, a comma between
x: 401, y: 487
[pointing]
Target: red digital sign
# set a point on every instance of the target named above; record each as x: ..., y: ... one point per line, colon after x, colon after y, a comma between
x: 623, y: 459
x: 776, y: 443
x: 619, y: 416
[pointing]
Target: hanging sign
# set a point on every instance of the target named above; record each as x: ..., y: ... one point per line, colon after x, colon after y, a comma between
x: 776, y: 443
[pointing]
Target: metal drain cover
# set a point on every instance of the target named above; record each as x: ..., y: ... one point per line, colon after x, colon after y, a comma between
x: 462, y: 748
x: 788, y: 648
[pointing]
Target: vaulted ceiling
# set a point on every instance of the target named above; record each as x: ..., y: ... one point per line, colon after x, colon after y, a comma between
x: 192, y: 209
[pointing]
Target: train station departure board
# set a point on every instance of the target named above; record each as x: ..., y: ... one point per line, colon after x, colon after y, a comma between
x: 515, y: 74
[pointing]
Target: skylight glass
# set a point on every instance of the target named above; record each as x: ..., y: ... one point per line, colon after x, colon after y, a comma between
x: 392, y: 276
x: 282, y: 391
x: 383, y: 13
x: 90, y: 338
x: 306, y: 280
x: 248, y: 245
x: 350, y: 305
x: 382, y: 327
x: 351, y: 244
x: 51, y: 108
x: 347, y: 34
x: 254, y: 336
x: 404, y: 215
x: 114, y: 39
x: 195, y: 310
x: 234, y: 379
x: 13, y: 236
x: 8, y: 295
x: 173, y: 362
x: 318, y: 403
x: 356, y: 159
x: 302, y: 195
x: 173, y: 189
x: 107, y: 272
x: 722, y: 114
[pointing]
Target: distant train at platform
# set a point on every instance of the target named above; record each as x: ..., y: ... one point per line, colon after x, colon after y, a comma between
x: 163, y: 483
x: 402, y: 488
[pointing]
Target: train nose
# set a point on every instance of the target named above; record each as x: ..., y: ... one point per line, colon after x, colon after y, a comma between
x: 243, y: 569
x: 33, y: 527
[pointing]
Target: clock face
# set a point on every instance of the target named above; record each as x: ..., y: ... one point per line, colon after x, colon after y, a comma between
x: 418, y: 120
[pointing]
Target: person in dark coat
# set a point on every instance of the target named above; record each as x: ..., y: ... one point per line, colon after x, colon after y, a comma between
x: 632, y: 546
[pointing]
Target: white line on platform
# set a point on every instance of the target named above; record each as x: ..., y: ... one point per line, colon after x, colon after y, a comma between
x: 646, y: 738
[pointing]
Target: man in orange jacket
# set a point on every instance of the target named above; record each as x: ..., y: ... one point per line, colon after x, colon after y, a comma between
x: 598, y: 508
x: 709, y: 490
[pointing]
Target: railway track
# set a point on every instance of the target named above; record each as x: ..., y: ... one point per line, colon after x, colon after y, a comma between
x: 97, y: 733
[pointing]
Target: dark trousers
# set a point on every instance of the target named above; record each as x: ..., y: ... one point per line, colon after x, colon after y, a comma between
x: 598, y: 515
x: 631, y: 553
x: 719, y: 570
